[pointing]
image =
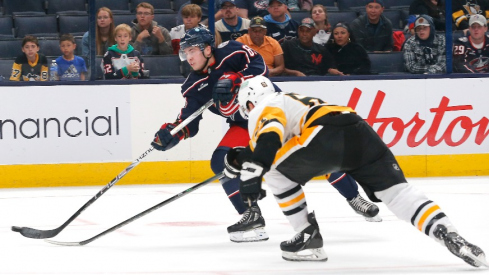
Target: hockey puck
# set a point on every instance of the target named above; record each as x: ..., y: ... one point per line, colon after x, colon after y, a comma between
x: 16, y: 228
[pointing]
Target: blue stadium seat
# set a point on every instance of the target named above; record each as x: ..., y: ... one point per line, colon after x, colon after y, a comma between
x: 116, y: 6
x: 163, y: 66
x: 49, y: 47
x: 77, y: 25
x: 299, y: 15
x: 66, y: 6
x: 78, y: 41
x: 387, y: 63
x: 10, y: 48
x: 6, y: 27
x: 329, y: 4
x: 160, y: 6
x: 341, y: 16
x: 394, y: 16
x: 167, y: 20
x: 30, y: 7
x: 398, y: 4
x: 6, y: 69
x: 40, y: 26
x: 355, y: 5
x: 178, y: 3
x: 124, y: 18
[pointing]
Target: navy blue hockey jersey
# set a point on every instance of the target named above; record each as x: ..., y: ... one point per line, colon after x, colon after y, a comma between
x: 231, y: 56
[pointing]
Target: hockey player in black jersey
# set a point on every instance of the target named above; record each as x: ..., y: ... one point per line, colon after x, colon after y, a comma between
x: 471, y: 53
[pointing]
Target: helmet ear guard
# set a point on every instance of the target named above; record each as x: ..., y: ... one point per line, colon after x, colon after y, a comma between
x: 253, y: 91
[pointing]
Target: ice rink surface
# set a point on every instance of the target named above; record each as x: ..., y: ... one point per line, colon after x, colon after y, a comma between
x: 188, y: 236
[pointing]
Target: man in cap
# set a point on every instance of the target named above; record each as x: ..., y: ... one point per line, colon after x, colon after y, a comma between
x: 471, y: 53
x: 303, y: 57
x: 266, y: 46
x: 231, y: 26
x: 279, y: 24
x: 424, y: 53
x: 373, y: 30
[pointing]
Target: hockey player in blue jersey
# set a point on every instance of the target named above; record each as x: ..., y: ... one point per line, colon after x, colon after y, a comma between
x: 218, y: 73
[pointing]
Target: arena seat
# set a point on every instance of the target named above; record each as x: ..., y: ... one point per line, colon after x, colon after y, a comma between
x: 77, y: 25
x: 299, y: 15
x: 6, y: 68
x: 176, y: 4
x: 40, y: 26
x: 49, y: 47
x: 167, y: 20
x: 6, y: 27
x: 66, y: 6
x: 10, y: 48
x: 398, y: 4
x: 341, y: 16
x: 19, y: 7
x: 329, y: 4
x: 160, y: 6
x: 163, y: 66
x: 387, y: 63
x: 124, y: 19
x: 355, y: 5
x: 116, y: 6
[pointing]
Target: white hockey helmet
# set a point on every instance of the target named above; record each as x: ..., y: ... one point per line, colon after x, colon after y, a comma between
x: 253, y: 90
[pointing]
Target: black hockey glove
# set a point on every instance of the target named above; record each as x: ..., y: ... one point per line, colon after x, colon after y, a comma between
x: 231, y: 165
x: 164, y: 140
x: 251, y: 178
x: 227, y: 88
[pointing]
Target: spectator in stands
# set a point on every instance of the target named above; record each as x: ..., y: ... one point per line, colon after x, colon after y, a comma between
x: 149, y: 38
x: 104, y: 33
x: 319, y: 14
x: 70, y: 66
x: 350, y: 58
x: 191, y: 14
x: 31, y: 65
x: 463, y: 9
x: 231, y: 26
x: 255, y: 8
x: 203, y: 4
x: 297, y: 5
x: 266, y: 46
x: 373, y: 30
x: 433, y: 8
x: 303, y: 57
x: 471, y: 53
x: 424, y: 53
x: 122, y: 61
x: 279, y: 24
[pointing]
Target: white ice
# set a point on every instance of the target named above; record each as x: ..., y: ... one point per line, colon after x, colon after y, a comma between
x: 188, y: 236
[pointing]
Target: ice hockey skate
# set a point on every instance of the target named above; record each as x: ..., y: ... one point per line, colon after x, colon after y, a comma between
x: 306, y: 245
x: 461, y: 248
x: 365, y: 208
x: 251, y: 227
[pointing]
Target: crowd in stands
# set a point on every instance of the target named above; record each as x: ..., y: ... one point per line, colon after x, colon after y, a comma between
x: 295, y: 37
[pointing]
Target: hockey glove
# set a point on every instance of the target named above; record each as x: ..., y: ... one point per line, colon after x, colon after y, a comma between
x: 251, y: 178
x: 231, y: 165
x: 227, y: 88
x: 164, y: 140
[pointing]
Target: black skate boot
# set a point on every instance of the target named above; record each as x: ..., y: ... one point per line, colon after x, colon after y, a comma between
x: 459, y: 247
x: 252, y: 221
x: 365, y: 208
x: 309, y: 241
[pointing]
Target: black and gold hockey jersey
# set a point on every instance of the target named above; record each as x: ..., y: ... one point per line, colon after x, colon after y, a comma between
x: 24, y: 70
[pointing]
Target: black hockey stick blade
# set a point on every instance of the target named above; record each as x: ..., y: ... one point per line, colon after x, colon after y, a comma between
x: 144, y: 213
x: 44, y: 234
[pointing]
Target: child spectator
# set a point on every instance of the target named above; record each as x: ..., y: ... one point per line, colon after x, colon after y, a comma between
x: 191, y: 14
x: 104, y: 33
x: 424, y: 53
x: 31, y: 65
x: 350, y: 57
x: 70, y: 66
x: 122, y: 61
x: 149, y: 38
x: 319, y: 14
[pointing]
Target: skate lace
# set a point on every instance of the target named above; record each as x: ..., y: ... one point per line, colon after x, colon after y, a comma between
x: 246, y: 216
x: 295, y: 238
x: 360, y: 204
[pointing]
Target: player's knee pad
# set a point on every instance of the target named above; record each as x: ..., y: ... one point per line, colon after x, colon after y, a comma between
x: 217, y: 160
x: 411, y: 205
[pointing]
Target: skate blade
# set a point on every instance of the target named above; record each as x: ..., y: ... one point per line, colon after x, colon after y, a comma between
x: 308, y: 255
x: 376, y: 218
x: 254, y: 235
x: 479, y: 260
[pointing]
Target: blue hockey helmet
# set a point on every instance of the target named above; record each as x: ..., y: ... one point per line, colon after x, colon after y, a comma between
x: 199, y: 37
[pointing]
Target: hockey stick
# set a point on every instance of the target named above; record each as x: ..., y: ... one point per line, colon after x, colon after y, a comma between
x: 144, y: 213
x: 43, y: 234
